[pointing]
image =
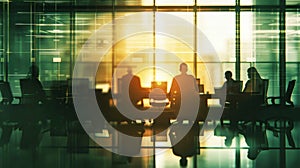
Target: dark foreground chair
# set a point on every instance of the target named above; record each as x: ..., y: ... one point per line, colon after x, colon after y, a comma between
x: 275, y: 118
x: 6, y: 124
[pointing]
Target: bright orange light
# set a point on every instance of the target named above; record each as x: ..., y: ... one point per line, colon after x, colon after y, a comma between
x: 146, y: 76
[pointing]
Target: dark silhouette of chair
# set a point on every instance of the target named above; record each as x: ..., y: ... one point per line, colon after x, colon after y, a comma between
x: 6, y: 124
x: 287, y: 104
x: 236, y: 88
x: 31, y: 91
x: 6, y: 93
x: 200, y: 86
x: 252, y: 129
x: 287, y: 97
x: 32, y: 95
x: 187, y: 145
x: 265, y: 91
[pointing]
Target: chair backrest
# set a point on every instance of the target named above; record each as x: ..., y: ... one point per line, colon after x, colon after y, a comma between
x: 236, y: 87
x: 32, y: 91
x: 265, y: 90
x: 200, y: 86
x: 289, y: 91
x: 6, y: 93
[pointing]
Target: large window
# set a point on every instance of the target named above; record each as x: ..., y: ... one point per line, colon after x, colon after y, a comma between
x: 51, y: 34
x: 243, y: 33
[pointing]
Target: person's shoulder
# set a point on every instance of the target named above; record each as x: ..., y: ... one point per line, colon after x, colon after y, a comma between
x: 191, y: 76
x: 177, y: 76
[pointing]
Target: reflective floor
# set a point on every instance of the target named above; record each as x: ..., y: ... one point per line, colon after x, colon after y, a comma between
x: 52, y: 152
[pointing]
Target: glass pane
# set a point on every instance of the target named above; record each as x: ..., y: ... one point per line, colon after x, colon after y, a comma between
x: 219, y: 28
x: 260, y: 46
x: 215, y: 2
x: 259, y: 2
x: 293, y: 51
x: 134, y: 3
x: 292, y: 2
x: 86, y: 26
x: 20, y: 45
x: 1, y: 41
x: 292, y: 36
x: 53, y: 36
x: 174, y: 2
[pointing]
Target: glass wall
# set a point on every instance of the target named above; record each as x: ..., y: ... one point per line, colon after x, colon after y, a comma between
x: 2, y: 41
x: 293, y: 49
x: 52, y: 35
x: 243, y: 33
x: 20, y: 46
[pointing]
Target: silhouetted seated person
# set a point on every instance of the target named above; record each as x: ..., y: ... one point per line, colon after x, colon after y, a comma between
x: 131, y: 84
x: 130, y: 96
x: 184, y: 96
x: 230, y: 83
x: 230, y: 87
x: 255, y: 136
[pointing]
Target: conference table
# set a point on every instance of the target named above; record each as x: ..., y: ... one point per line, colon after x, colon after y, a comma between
x: 30, y: 113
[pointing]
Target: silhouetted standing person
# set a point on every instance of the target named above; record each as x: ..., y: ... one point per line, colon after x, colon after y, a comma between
x: 184, y: 91
x: 184, y: 88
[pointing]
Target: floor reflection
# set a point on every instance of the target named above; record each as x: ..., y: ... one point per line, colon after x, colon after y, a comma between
x: 213, y: 153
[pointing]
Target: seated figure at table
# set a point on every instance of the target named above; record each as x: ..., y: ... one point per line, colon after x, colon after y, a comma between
x: 255, y: 136
x: 131, y: 84
x: 230, y: 87
x: 229, y: 84
x: 252, y: 93
x: 255, y: 82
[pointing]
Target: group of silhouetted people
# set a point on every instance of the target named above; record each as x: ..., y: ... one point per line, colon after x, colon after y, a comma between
x: 246, y: 105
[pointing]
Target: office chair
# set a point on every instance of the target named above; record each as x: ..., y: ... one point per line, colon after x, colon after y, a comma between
x: 254, y: 130
x: 32, y: 95
x: 287, y: 97
x: 6, y: 124
x: 31, y: 91
x: 287, y: 104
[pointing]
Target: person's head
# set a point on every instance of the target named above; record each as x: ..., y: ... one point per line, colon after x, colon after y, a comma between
x: 183, y: 68
x: 253, y: 73
x: 228, y: 75
x: 129, y: 70
x: 34, y: 71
